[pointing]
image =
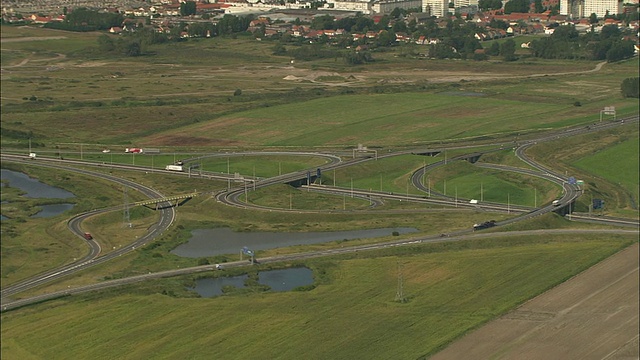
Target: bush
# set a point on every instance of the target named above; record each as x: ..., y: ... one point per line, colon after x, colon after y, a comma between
x: 629, y: 87
x: 238, y: 92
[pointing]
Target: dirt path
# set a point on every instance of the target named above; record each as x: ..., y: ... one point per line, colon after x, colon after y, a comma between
x: 591, y: 316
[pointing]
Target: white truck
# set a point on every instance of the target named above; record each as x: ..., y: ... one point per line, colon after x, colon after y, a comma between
x: 174, y: 168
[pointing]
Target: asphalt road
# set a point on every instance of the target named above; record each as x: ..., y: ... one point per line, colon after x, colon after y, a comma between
x: 232, y: 197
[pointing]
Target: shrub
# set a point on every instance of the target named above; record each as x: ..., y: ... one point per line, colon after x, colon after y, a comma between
x: 629, y: 87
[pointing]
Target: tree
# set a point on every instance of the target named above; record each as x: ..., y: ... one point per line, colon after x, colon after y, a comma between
x: 620, y: 50
x: 279, y: 49
x: 593, y: 19
x: 490, y: 4
x: 629, y: 87
x: 188, y: 8
x: 494, y: 49
x: 538, y: 6
x: 517, y: 6
x: 357, y: 57
x: 508, y: 50
x: 498, y: 24
x: 565, y: 33
x: 610, y: 32
x: 133, y: 48
x: 386, y: 38
x: 324, y: 22
x: 105, y: 43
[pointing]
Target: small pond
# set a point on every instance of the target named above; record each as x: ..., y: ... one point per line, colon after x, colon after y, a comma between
x: 32, y: 187
x: 277, y: 280
x: 211, y: 242
x: 52, y: 210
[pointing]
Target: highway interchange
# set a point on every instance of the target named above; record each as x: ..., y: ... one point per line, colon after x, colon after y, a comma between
x: 233, y: 197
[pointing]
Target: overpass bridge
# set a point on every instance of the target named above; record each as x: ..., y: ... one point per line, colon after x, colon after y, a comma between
x: 170, y: 200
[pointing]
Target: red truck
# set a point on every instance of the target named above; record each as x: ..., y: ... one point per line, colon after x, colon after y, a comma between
x: 133, y: 150
x: 88, y: 236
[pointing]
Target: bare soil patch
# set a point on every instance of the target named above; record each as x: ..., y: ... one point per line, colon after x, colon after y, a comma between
x: 591, y: 316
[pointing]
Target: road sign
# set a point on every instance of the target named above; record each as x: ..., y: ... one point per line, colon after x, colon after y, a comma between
x: 319, y: 173
x: 580, y: 182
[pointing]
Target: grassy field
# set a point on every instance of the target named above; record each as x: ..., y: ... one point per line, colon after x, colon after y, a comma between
x: 617, y: 164
x: 167, y: 98
x: 606, y: 161
x: 450, y: 289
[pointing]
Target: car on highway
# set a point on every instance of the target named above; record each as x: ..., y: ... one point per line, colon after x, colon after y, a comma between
x: 484, y: 225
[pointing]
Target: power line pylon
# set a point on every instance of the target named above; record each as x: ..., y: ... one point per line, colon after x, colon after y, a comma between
x: 126, y: 218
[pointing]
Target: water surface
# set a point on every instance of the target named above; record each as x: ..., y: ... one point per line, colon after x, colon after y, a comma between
x: 52, y: 210
x: 277, y: 280
x: 32, y: 187
x: 210, y: 242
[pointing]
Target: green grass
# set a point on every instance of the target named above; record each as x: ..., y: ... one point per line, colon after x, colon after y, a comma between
x: 472, y: 182
x: 352, y: 307
x: 618, y: 164
x: 382, y: 120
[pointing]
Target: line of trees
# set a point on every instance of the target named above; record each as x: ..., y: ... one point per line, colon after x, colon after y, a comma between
x: 83, y: 19
x: 567, y: 43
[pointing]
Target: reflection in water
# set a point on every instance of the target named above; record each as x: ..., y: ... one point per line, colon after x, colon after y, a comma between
x: 277, y: 280
x: 32, y: 187
x: 52, y: 210
x: 210, y: 242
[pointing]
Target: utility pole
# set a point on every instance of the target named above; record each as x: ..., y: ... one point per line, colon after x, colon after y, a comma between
x: 456, y: 195
x: 400, y: 290
x: 351, y: 187
x: 126, y: 218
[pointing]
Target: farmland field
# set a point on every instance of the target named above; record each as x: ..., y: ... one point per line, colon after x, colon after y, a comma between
x: 352, y: 307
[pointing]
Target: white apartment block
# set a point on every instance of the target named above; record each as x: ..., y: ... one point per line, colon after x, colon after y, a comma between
x: 387, y: 6
x: 584, y: 8
x: 437, y: 8
x: 464, y: 3
x: 364, y: 6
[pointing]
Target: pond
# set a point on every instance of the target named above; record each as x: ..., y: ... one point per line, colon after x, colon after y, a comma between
x: 35, y: 189
x: 211, y: 242
x: 32, y: 187
x: 52, y: 210
x: 278, y: 280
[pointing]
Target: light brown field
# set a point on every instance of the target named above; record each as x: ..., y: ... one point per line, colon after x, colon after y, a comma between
x: 591, y: 316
